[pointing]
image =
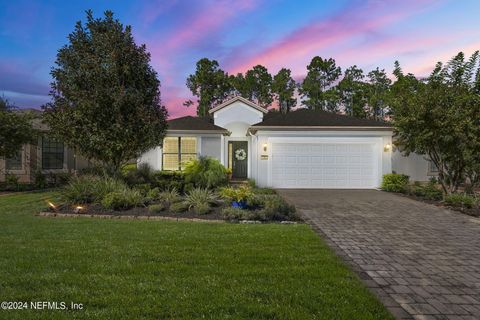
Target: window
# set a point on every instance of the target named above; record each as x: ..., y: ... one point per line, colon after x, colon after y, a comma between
x: 15, y: 162
x: 52, y: 153
x: 432, y: 168
x: 177, y: 151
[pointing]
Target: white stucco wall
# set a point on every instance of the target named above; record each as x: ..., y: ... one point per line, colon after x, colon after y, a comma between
x: 237, y: 118
x: 152, y: 157
x: 413, y: 165
x: 211, y: 147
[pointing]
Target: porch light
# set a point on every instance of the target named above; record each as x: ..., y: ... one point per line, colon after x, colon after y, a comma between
x: 387, y: 147
x: 265, y: 147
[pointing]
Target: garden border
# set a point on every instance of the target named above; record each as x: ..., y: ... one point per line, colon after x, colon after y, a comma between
x: 124, y: 217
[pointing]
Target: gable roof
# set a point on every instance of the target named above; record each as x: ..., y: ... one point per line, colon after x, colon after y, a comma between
x: 189, y: 123
x: 306, y: 118
x: 235, y: 99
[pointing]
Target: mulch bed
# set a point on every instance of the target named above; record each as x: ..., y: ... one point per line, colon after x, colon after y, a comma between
x: 96, y: 210
x: 473, y: 212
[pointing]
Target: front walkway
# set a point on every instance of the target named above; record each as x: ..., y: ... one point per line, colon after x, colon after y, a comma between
x: 422, y: 261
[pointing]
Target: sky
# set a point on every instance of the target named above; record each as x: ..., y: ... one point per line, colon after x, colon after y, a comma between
x: 239, y: 35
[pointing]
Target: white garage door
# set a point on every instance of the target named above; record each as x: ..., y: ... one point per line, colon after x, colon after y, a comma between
x: 343, y: 165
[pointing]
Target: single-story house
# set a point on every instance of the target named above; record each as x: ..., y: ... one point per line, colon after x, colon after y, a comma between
x: 300, y: 149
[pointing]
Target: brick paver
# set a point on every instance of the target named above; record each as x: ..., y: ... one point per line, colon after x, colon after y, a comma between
x: 422, y: 261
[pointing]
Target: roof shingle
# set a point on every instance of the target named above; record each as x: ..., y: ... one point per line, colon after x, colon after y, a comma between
x: 189, y: 123
x: 316, y: 118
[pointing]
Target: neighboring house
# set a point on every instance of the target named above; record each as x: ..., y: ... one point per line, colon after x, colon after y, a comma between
x: 301, y: 149
x: 48, y: 156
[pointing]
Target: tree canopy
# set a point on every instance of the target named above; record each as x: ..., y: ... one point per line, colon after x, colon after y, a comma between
x: 15, y: 129
x: 283, y: 88
x: 105, y: 95
x: 210, y: 84
x: 440, y: 117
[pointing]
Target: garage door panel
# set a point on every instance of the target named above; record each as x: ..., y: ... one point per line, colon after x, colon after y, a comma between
x: 323, y: 165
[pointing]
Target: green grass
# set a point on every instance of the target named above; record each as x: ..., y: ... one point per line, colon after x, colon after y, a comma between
x: 129, y: 269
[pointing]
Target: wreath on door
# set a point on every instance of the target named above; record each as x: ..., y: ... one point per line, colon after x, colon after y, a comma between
x: 240, y: 154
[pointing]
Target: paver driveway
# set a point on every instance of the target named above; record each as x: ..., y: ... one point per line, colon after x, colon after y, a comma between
x: 422, y: 261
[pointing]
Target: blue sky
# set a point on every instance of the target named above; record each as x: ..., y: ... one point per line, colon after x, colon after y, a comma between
x: 239, y: 34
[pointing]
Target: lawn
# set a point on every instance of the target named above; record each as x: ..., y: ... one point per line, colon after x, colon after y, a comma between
x: 133, y: 269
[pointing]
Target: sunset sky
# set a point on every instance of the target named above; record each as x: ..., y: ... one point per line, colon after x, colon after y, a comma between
x: 239, y: 34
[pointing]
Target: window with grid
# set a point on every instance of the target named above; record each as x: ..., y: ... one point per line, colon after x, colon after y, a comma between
x: 52, y: 153
x: 177, y: 151
x: 432, y: 168
x: 15, y: 162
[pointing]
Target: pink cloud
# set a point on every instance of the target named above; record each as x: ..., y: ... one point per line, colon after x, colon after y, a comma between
x: 316, y: 37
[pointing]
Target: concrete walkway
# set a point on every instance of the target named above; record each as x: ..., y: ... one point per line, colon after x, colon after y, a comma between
x: 422, y: 261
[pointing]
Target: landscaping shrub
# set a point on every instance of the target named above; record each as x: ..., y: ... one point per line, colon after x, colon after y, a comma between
x: 264, y: 191
x: 58, y: 179
x: 156, y: 208
x: 178, y: 207
x: 252, y: 183
x: 276, y: 208
x: 428, y: 191
x: 92, y: 171
x: 242, y: 193
x: 394, y: 182
x: 205, y: 172
x: 169, y: 197
x: 39, y: 180
x: 200, y: 200
x: 88, y: 189
x: 143, y: 174
x: 232, y: 214
x: 125, y: 199
x: 11, y: 182
x: 153, y: 194
x: 168, y: 180
x: 460, y: 200
x: 144, y: 188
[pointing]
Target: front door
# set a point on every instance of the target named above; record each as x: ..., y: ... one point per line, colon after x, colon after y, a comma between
x: 238, y: 158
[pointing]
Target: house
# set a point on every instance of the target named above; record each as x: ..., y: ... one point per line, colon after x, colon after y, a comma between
x: 48, y: 156
x: 301, y: 149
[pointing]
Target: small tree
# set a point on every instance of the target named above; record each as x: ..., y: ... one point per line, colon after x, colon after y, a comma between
x: 316, y: 88
x: 283, y: 87
x: 210, y: 84
x: 15, y: 129
x: 106, y: 97
x: 440, y: 117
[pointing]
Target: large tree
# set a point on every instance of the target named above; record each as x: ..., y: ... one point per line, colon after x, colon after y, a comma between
x: 106, y: 96
x: 283, y: 87
x: 316, y: 89
x: 15, y: 129
x: 256, y: 85
x: 440, y: 117
x: 210, y: 84
x: 379, y: 86
x: 353, y: 92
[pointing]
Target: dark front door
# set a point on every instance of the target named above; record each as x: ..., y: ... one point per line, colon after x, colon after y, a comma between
x: 238, y: 158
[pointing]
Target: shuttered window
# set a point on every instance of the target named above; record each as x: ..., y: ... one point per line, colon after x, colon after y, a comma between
x: 177, y: 151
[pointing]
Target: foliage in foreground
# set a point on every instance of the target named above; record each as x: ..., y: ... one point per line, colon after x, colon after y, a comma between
x: 205, y: 172
x: 262, y: 271
x: 461, y: 200
x: 394, y: 182
x: 90, y: 189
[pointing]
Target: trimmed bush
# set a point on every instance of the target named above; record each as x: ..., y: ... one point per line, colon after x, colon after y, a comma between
x: 124, y: 199
x: 460, y: 200
x: 428, y: 191
x: 394, y: 182
x: 205, y: 172
x: 276, y: 208
x: 89, y: 189
x: 200, y: 200
x: 178, y: 207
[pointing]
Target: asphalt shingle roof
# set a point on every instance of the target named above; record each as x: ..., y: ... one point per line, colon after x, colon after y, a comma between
x: 316, y: 118
x: 193, y: 123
